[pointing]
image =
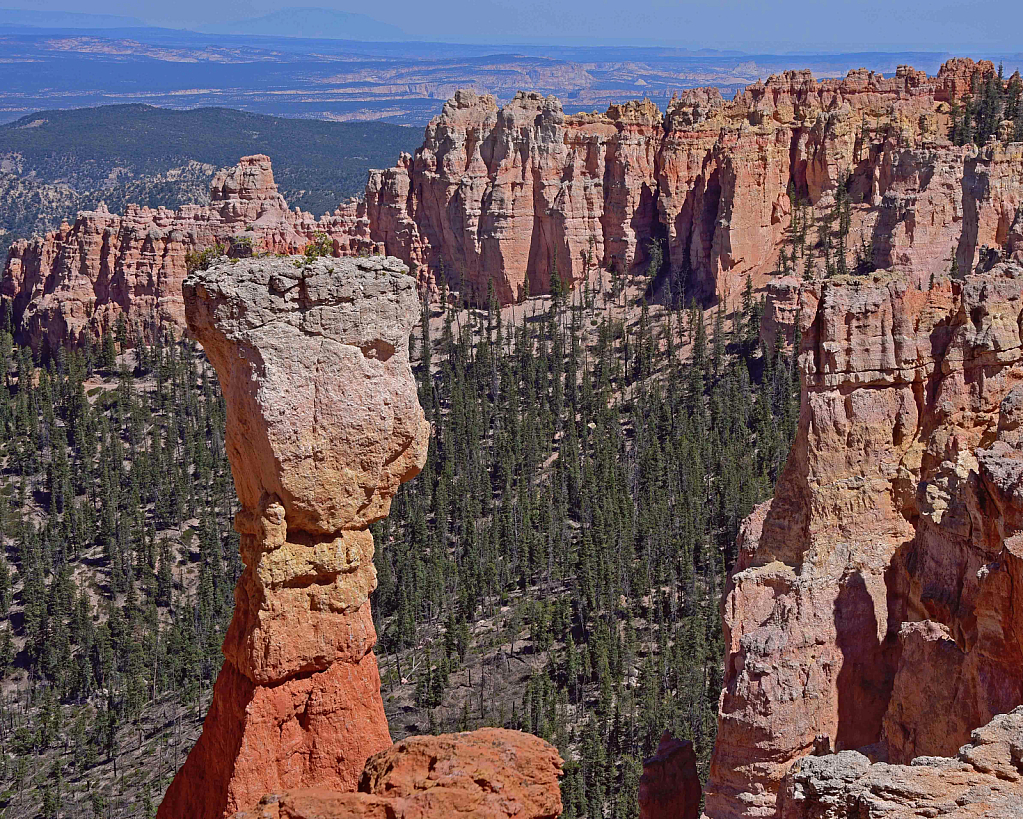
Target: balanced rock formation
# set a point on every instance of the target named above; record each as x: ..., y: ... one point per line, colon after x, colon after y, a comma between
x: 491, y: 773
x: 79, y: 280
x: 670, y: 785
x: 323, y: 425
x: 877, y: 600
x: 984, y: 780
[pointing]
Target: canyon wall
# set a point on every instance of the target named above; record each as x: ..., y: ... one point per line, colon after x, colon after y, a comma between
x: 503, y: 198
x: 875, y: 605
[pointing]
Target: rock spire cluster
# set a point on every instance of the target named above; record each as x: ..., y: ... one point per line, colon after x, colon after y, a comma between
x: 80, y: 280
x: 874, y: 621
x: 500, y: 198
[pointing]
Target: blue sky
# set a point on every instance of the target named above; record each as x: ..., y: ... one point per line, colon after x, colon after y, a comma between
x: 802, y: 25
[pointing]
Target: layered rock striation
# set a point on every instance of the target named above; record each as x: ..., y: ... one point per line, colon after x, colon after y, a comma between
x: 876, y: 601
x: 78, y: 281
x: 502, y: 198
x: 323, y: 425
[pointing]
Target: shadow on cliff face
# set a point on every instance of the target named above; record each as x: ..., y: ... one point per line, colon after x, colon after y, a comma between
x: 866, y: 679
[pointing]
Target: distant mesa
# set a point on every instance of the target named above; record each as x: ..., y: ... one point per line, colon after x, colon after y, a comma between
x: 66, y: 19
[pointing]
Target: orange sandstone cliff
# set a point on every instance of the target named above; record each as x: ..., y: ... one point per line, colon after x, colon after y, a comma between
x: 504, y: 196
x: 876, y: 603
x: 77, y: 281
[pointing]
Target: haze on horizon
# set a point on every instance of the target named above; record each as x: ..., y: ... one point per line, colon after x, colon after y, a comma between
x: 746, y: 25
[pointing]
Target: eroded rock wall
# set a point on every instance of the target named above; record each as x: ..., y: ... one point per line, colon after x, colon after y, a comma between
x: 875, y: 603
x: 505, y: 197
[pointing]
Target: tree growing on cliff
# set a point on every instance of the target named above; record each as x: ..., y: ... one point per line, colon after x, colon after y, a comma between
x: 201, y: 259
x: 321, y: 245
x: 655, y: 260
x: 1014, y: 105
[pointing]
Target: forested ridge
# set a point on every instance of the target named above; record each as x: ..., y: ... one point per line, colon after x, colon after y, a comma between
x: 557, y: 566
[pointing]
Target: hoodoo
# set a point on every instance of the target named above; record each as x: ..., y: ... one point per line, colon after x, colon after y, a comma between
x: 873, y: 620
x: 323, y: 424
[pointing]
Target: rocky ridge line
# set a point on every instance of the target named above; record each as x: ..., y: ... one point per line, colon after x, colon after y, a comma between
x: 504, y: 197
x: 78, y: 281
x: 501, y: 198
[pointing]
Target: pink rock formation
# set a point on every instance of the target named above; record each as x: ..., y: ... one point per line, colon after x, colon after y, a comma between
x: 78, y: 281
x: 323, y: 424
x: 503, y: 197
x: 993, y: 199
x: 876, y: 600
x: 670, y: 785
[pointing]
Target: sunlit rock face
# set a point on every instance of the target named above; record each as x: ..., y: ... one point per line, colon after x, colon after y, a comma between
x: 498, y: 199
x: 876, y: 601
x: 79, y: 281
x: 503, y: 197
x: 983, y: 779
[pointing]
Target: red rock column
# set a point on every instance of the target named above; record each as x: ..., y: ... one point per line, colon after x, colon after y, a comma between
x: 670, y: 785
x: 323, y: 425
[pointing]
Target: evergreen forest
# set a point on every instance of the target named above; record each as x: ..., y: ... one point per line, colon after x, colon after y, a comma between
x: 557, y: 567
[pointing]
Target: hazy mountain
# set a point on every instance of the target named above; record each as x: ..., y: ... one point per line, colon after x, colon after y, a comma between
x: 312, y: 23
x: 65, y: 19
